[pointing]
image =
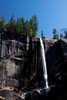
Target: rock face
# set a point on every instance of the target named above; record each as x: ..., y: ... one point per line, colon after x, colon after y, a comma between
x: 21, y: 65
x: 7, y: 94
x: 13, y: 55
x: 56, y: 58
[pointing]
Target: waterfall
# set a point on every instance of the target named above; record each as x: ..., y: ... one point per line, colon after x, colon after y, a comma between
x: 23, y: 96
x: 44, y: 64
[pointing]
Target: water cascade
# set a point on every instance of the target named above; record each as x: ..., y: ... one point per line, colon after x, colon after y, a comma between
x: 44, y: 64
x: 23, y: 96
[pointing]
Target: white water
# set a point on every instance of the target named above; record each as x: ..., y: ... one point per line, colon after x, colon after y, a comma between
x: 44, y: 64
x: 23, y: 96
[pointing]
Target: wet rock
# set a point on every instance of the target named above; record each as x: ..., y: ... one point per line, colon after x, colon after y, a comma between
x: 6, y: 93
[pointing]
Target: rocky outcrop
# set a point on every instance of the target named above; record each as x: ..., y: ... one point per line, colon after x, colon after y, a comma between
x: 7, y: 93
x: 13, y: 56
x: 56, y: 57
x: 21, y: 65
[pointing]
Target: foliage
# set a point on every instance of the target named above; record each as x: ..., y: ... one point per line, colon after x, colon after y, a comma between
x: 54, y: 31
x: 65, y: 31
x: 20, y: 26
x: 11, y: 26
x: 55, y: 34
x: 34, y: 25
x: 61, y: 35
x: 2, y: 24
x: 42, y: 34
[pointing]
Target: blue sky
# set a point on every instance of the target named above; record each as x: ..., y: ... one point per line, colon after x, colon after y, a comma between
x: 50, y: 13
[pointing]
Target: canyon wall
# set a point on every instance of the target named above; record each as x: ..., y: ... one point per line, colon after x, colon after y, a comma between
x: 21, y: 66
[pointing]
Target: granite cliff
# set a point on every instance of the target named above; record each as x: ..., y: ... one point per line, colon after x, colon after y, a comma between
x: 21, y: 66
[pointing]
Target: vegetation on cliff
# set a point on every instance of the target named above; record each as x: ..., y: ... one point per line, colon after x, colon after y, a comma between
x: 28, y: 27
x: 58, y: 35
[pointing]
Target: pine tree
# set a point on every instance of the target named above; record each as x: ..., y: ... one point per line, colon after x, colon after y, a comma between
x: 42, y: 34
x: 35, y: 25
x: 65, y: 31
x: 20, y: 26
x: 23, y: 24
x: 26, y: 27
x: 29, y: 28
x: 30, y: 32
x: 55, y: 35
x: 61, y: 35
x: 2, y: 24
x: 11, y: 26
x: 54, y: 31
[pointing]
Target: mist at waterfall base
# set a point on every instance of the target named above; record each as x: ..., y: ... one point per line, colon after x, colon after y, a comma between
x: 45, y: 75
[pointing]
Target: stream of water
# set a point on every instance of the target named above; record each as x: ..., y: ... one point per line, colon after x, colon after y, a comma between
x: 44, y: 64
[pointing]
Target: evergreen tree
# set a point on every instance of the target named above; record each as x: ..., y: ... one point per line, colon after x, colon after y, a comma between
x: 61, y: 35
x: 2, y: 24
x: 65, y: 31
x: 54, y: 31
x: 34, y: 25
x: 42, y: 34
x: 55, y: 35
x: 30, y: 32
x: 11, y: 26
x: 31, y: 24
x: 26, y: 27
x: 29, y: 28
x: 23, y: 24
x: 20, y: 26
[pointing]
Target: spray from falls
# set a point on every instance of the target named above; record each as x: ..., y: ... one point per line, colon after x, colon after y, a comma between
x: 44, y: 64
x: 23, y: 96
